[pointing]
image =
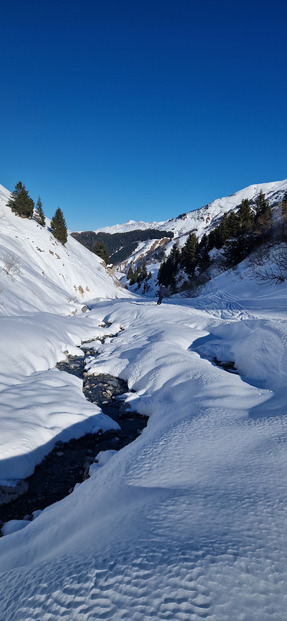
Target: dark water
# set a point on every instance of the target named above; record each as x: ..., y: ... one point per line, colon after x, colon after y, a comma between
x: 68, y: 463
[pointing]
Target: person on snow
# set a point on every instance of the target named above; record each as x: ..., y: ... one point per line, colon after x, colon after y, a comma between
x: 161, y: 294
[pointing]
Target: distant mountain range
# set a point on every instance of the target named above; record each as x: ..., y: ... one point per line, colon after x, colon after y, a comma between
x: 134, y: 241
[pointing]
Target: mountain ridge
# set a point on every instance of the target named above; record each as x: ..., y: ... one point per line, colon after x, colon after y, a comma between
x: 219, y: 206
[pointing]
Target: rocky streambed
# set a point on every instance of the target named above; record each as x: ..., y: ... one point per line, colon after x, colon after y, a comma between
x: 68, y: 463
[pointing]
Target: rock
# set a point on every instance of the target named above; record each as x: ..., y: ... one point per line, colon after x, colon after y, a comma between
x: 8, y: 493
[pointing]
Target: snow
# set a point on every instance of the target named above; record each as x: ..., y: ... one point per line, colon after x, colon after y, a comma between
x: 13, y: 526
x: 131, y: 225
x: 202, y: 220
x: 189, y: 521
x: 39, y: 273
x: 41, y: 321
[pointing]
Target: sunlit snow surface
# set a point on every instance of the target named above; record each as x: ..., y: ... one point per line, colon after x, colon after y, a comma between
x: 189, y: 521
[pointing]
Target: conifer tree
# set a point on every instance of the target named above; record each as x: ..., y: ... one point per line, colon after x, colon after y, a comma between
x: 245, y: 216
x: 142, y: 273
x: 20, y: 202
x: 203, y: 261
x: 58, y: 226
x: 284, y: 217
x: 168, y: 269
x: 39, y: 215
x: 284, y: 207
x: 189, y: 254
x: 130, y: 273
x: 262, y: 218
x: 100, y: 249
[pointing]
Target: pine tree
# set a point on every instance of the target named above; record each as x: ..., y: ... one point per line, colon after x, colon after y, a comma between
x: 262, y: 220
x: 189, y: 254
x: 20, y: 202
x: 203, y: 261
x: 58, y: 226
x: 284, y: 207
x: 100, y: 249
x: 284, y: 217
x: 168, y: 269
x: 130, y: 273
x: 142, y: 273
x: 245, y: 216
x: 233, y: 225
x: 39, y: 215
x: 166, y: 274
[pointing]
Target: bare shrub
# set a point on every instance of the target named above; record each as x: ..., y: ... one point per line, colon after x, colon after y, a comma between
x: 11, y: 264
x: 269, y: 262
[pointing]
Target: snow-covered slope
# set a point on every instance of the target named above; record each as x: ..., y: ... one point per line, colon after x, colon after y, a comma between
x: 189, y: 521
x: 204, y: 219
x: 131, y: 225
x: 38, y: 272
x: 43, y: 288
x: 200, y: 221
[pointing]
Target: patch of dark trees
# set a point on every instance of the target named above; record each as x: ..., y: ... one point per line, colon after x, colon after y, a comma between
x: 21, y: 203
x: 119, y: 246
x: 240, y: 232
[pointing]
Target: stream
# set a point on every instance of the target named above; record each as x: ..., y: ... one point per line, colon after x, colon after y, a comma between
x: 68, y: 463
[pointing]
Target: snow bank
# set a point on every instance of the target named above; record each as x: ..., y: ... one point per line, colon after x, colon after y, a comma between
x: 39, y: 404
x: 184, y: 522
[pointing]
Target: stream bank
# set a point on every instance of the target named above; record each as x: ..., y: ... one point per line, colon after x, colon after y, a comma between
x: 69, y: 462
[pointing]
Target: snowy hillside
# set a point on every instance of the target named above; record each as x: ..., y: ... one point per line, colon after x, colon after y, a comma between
x: 200, y: 222
x: 38, y: 272
x: 131, y: 225
x: 204, y: 219
x: 43, y: 288
x: 188, y: 522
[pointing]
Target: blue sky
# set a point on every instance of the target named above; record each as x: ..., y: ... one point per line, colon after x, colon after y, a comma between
x: 140, y: 109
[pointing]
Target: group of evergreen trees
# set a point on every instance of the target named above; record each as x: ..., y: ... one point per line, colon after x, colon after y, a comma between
x: 138, y: 275
x: 23, y: 205
x: 236, y: 235
x: 100, y: 249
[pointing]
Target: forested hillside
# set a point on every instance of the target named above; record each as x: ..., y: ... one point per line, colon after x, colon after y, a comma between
x: 120, y: 245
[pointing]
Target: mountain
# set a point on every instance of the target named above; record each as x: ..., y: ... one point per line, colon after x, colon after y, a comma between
x: 61, y: 278
x: 134, y: 243
x: 203, y: 220
x: 189, y: 520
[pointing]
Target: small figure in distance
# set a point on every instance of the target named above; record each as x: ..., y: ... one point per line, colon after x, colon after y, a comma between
x: 161, y: 294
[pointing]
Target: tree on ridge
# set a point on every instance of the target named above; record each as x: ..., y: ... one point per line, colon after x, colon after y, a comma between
x: 20, y: 202
x: 39, y: 215
x: 59, y: 227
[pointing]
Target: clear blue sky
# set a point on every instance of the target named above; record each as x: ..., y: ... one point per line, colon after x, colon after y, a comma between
x: 141, y: 109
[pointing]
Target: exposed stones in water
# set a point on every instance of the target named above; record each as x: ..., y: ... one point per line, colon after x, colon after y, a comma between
x: 9, y: 492
x: 73, y: 364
